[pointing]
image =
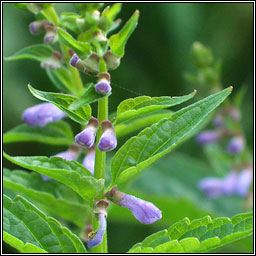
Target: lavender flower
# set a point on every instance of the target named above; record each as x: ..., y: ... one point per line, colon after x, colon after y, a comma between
x: 108, y: 140
x: 218, y: 121
x: 100, y: 233
x: 103, y: 87
x: 207, y: 137
x: 36, y: 27
x: 212, y: 187
x: 229, y: 183
x: 42, y: 114
x: 236, y: 145
x: 143, y: 211
x: 87, y: 136
x: 243, y: 182
x: 89, y: 161
x: 76, y: 62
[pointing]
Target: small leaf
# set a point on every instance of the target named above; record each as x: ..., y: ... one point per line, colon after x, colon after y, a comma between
x: 153, y: 142
x: 58, y: 133
x: 29, y: 230
x: 89, y: 96
x: 139, y: 106
x: 117, y: 42
x: 220, y: 231
x: 39, y: 52
x: 61, y: 78
x: 68, y: 21
x: 63, y: 101
x: 83, y: 50
x: 52, y: 196
x: 70, y: 173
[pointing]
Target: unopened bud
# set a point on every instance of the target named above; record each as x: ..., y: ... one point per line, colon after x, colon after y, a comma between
x: 76, y: 62
x: 54, y: 62
x: 103, y: 86
x: 108, y: 140
x: 86, y: 138
x: 111, y: 60
x: 201, y: 55
x: 36, y: 27
x: 50, y: 37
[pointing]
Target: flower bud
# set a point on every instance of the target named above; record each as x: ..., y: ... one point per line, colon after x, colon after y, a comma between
x: 76, y: 62
x: 50, y: 36
x: 207, y: 137
x: 89, y: 161
x: 143, y: 211
x: 111, y: 60
x: 103, y: 86
x: 201, y: 55
x: 100, y: 211
x: 244, y: 181
x: 236, y: 145
x: 54, y: 62
x: 42, y: 114
x: 36, y: 27
x: 212, y: 187
x: 86, y: 138
x: 108, y: 140
x: 229, y: 183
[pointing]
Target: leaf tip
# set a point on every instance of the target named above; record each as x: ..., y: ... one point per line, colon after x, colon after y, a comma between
x: 230, y: 88
x: 137, y: 13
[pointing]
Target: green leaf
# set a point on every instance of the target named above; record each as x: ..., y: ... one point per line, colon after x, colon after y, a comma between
x: 54, y: 197
x: 200, y: 235
x: 117, y: 42
x: 61, y: 78
x: 30, y: 230
x: 139, y: 106
x: 38, y: 52
x: 63, y: 101
x: 70, y: 173
x: 57, y: 133
x: 89, y: 96
x: 68, y: 21
x: 83, y: 50
x: 157, y: 140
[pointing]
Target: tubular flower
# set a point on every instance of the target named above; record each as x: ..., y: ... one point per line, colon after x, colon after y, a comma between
x: 103, y: 86
x: 108, y: 140
x: 86, y: 138
x: 212, y: 187
x: 89, y: 161
x: 42, y: 114
x: 229, y: 183
x: 207, y: 137
x: 143, y: 211
x: 244, y: 181
x: 236, y: 145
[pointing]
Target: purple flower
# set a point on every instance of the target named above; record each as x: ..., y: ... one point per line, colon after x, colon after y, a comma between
x: 143, y: 211
x: 212, y: 187
x: 42, y: 114
x: 100, y: 233
x: 89, y: 161
x: 36, y: 27
x: 207, y: 137
x: 108, y: 140
x: 218, y: 121
x: 53, y: 62
x: 67, y: 155
x: 229, y: 183
x: 236, y: 145
x: 87, y: 136
x: 50, y: 37
x: 103, y: 87
x: 76, y: 62
x: 243, y: 182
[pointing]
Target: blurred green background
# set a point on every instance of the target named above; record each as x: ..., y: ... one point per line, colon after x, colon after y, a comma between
x: 157, y: 56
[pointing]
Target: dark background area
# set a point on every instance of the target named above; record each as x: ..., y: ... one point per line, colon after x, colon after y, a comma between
x: 157, y: 56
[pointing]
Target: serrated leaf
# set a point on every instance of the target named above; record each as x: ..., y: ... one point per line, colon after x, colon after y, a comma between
x: 58, y: 133
x: 83, y: 50
x: 38, y: 52
x: 117, y: 42
x: 61, y: 78
x: 50, y: 195
x: 63, y: 101
x: 132, y: 108
x: 24, y: 224
x: 89, y: 96
x: 157, y: 140
x: 196, y: 241
x: 70, y: 173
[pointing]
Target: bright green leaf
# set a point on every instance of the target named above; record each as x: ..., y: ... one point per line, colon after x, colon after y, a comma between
x: 50, y: 195
x: 82, y: 49
x: 27, y: 228
x: 89, y: 96
x: 57, y: 133
x: 68, y: 21
x: 117, y: 42
x: 157, y: 140
x: 70, y: 173
x: 63, y: 101
x: 38, y: 52
x: 142, y: 105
